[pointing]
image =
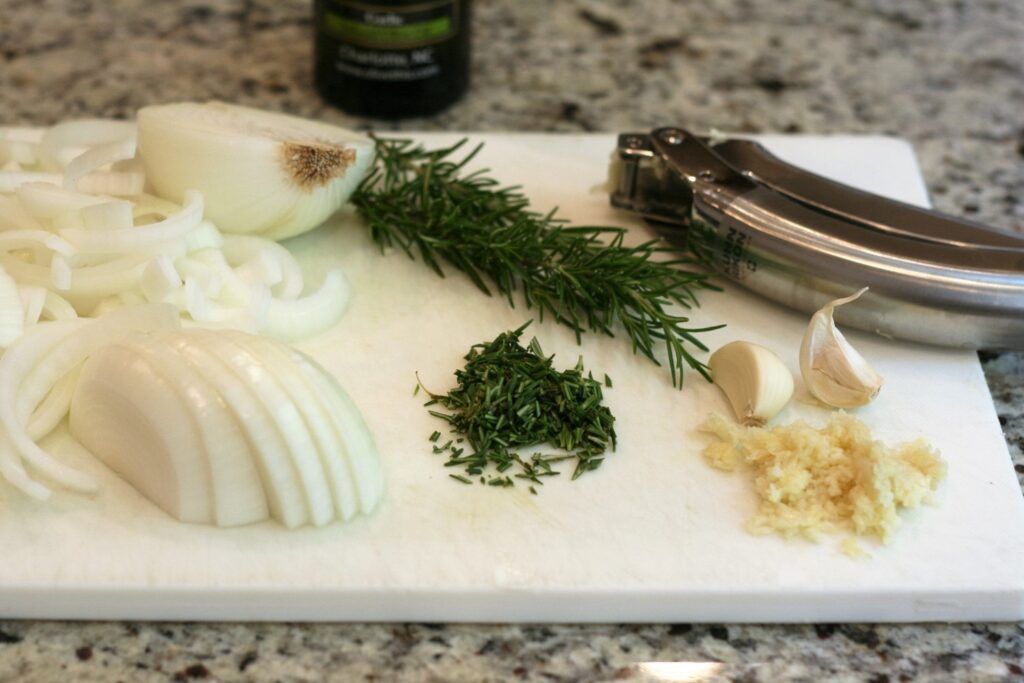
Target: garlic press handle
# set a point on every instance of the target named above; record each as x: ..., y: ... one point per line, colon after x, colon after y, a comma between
x: 802, y: 255
x: 857, y: 206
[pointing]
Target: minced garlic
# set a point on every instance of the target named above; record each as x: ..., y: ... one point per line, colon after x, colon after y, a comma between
x: 837, y: 477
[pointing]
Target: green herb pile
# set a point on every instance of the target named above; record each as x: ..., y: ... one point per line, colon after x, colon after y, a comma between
x: 581, y: 276
x: 508, y: 398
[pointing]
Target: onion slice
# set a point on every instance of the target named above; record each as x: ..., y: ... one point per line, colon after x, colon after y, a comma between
x: 310, y: 314
x: 284, y: 416
x: 238, y: 496
x: 54, y: 407
x: 12, y: 310
x: 356, y: 436
x: 64, y: 141
x: 131, y: 239
x: 35, y: 363
x: 302, y: 392
x: 96, y: 158
x: 280, y: 478
x: 130, y: 417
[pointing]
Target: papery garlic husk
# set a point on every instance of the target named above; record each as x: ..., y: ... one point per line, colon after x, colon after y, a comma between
x: 259, y: 172
x: 835, y: 373
x: 754, y: 379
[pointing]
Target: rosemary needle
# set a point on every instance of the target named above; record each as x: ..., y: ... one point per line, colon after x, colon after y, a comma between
x: 507, y: 398
x: 585, y: 277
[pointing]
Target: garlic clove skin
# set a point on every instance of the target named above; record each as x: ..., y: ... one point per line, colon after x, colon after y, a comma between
x: 834, y: 372
x: 754, y: 379
x: 259, y: 172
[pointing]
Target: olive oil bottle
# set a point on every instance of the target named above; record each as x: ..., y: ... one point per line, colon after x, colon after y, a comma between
x: 392, y: 58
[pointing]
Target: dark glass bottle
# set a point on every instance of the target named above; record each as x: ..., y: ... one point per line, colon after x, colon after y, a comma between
x: 392, y: 58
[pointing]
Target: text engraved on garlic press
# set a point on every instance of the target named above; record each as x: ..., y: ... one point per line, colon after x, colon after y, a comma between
x: 735, y: 258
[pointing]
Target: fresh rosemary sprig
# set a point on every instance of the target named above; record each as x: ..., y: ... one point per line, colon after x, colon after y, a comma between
x: 585, y: 277
x: 507, y: 398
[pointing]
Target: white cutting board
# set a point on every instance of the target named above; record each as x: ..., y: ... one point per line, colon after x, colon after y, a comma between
x: 654, y: 535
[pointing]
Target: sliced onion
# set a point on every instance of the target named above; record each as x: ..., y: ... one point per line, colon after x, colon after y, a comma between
x: 303, y: 393
x: 45, y: 200
x: 20, y: 239
x: 60, y: 273
x: 13, y: 216
x: 14, y: 472
x: 53, y: 408
x: 12, y: 310
x: 56, y: 307
x: 160, y: 279
x: 30, y: 134
x: 130, y: 417
x: 88, y: 284
x: 310, y: 314
x: 96, y: 158
x: 130, y: 239
x: 238, y: 495
x: 32, y: 301
x: 35, y: 363
x: 264, y: 269
x: 68, y: 220
x: 15, y: 364
x: 116, y: 183
x: 233, y: 292
x: 205, y: 236
x: 239, y: 249
x: 10, y: 181
x: 348, y: 421
x: 285, y: 417
x: 280, y: 478
x: 20, y: 143
x: 116, y: 215
x: 196, y: 303
x: 64, y: 141
x: 207, y: 277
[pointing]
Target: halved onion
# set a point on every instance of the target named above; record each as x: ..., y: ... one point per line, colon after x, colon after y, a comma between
x: 261, y: 172
x: 222, y: 428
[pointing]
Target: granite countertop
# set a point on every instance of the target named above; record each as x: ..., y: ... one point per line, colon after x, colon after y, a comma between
x: 946, y: 74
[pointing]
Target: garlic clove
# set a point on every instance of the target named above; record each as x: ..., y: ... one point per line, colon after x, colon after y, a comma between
x: 836, y: 373
x: 754, y: 379
x: 259, y: 172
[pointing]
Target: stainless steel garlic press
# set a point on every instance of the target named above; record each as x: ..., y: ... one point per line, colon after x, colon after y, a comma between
x: 802, y: 240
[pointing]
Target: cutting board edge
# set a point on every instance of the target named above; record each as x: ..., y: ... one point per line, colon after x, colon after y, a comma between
x: 514, y: 606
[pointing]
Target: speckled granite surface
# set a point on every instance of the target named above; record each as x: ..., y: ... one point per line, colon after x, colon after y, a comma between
x: 946, y: 74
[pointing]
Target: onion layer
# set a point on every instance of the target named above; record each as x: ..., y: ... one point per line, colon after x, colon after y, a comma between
x: 226, y: 429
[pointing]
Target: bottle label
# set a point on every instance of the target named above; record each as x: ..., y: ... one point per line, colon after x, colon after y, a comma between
x: 387, y: 43
x: 369, y: 25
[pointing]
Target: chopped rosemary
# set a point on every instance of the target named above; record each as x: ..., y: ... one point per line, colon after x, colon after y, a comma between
x: 507, y: 398
x: 584, y: 277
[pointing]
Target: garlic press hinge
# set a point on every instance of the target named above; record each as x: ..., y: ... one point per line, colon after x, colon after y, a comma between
x: 643, y: 183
